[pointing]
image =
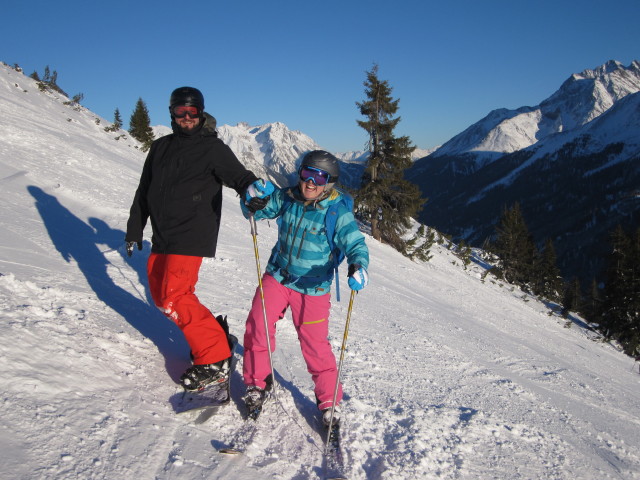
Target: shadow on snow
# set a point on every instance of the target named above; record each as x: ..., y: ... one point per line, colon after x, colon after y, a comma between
x: 76, y: 240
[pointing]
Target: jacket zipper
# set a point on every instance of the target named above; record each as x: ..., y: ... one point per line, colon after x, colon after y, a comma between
x: 295, y: 234
x: 304, y: 234
x: 286, y: 240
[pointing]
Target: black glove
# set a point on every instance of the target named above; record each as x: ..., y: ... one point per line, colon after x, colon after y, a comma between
x: 352, y: 269
x: 256, y: 204
x: 130, y: 245
x: 358, y: 277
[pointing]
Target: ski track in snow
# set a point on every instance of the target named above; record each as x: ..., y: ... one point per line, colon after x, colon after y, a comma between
x: 446, y: 376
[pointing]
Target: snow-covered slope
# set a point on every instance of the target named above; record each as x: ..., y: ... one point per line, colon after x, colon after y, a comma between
x: 447, y: 376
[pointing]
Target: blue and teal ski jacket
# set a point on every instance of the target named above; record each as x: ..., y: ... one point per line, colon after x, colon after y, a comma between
x: 302, y: 259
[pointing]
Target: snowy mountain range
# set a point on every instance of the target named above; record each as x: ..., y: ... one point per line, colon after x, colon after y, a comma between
x: 581, y: 98
x: 448, y: 374
x: 274, y: 151
x: 572, y: 163
x: 271, y: 151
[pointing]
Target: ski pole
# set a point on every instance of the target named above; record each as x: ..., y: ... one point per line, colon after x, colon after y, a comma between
x: 342, y: 350
x: 254, y: 234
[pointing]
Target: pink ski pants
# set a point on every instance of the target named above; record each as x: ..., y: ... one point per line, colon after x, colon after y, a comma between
x: 172, y: 282
x: 311, y: 319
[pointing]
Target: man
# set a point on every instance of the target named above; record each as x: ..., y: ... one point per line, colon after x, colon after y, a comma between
x: 180, y: 190
x: 299, y: 275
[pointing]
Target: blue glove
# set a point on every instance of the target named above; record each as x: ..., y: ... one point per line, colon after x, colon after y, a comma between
x: 358, y: 277
x: 259, y: 189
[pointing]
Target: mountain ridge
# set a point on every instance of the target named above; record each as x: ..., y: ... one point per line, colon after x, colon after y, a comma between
x: 573, y: 184
x: 580, y: 99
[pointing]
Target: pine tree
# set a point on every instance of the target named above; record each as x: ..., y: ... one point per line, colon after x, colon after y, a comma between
x: 117, y: 122
x: 593, y: 306
x: 572, y: 298
x: 515, y: 247
x: 423, y: 252
x: 49, y: 81
x: 46, y: 78
x: 386, y: 198
x: 465, y: 253
x: 613, y: 312
x: 419, y: 246
x: 139, y: 125
x: 52, y: 83
x: 620, y: 317
x: 631, y: 335
x: 547, y: 278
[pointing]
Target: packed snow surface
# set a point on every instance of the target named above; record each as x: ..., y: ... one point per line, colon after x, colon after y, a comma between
x: 447, y: 375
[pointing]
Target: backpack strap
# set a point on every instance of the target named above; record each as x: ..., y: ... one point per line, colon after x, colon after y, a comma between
x: 330, y: 225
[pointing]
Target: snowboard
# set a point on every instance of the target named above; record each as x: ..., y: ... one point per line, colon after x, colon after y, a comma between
x: 208, y: 400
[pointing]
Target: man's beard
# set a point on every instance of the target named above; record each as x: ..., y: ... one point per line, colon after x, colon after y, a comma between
x: 189, y: 126
x: 191, y: 129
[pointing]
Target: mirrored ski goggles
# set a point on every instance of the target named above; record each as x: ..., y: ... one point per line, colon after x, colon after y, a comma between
x: 317, y: 176
x: 181, y: 111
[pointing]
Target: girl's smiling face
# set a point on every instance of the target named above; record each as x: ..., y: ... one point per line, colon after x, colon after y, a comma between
x: 310, y: 191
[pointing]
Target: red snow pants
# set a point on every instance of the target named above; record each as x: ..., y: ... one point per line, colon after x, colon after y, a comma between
x: 311, y: 319
x: 172, y: 281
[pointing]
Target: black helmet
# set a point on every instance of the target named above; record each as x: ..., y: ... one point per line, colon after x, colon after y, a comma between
x: 324, y: 161
x: 187, y: 96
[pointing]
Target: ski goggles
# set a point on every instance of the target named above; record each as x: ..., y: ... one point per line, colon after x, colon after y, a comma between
x: 181, y: 111
x: 317, y: 176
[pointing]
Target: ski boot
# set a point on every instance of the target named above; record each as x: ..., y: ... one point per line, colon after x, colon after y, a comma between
x: 199, y: 376
x: 255, y: 397
x: 326, y: 416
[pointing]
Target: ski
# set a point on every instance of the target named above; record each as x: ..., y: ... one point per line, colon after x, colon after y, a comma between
x: 244, y: 436
x: 241, y: 439
x: 254, y: 413
x: 333, y: 459
x: 211, y: 398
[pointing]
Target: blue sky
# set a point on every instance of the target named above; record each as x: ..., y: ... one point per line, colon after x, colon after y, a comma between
x: 304, y: 63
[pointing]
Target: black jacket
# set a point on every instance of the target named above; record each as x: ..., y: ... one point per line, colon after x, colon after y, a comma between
x: 181, y: 191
